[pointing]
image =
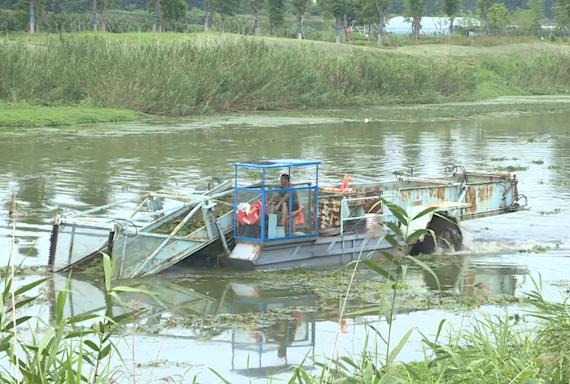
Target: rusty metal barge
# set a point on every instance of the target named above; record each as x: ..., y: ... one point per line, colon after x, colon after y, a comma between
x: 275, y: 215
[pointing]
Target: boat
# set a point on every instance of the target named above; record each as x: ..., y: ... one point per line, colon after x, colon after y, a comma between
x: 331, y: 226
x: 280, y: 217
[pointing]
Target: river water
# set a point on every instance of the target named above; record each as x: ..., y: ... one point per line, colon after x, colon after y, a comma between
x: 57, y: 169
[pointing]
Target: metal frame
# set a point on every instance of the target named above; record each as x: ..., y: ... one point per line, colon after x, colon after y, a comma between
x: 264, y: 189
x: 137, y: 225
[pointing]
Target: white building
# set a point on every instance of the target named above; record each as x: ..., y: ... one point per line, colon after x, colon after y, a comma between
x: 400, y: 25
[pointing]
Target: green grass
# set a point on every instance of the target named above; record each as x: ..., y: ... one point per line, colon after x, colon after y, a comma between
x: 428, y: 46
x: 133, y: 37
x: 24, y: 115
x: 186, y: 74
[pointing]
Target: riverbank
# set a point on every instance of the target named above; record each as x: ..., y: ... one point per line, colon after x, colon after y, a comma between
x: 221, y: 74
x: 29, y: 116
x: 32, y: 116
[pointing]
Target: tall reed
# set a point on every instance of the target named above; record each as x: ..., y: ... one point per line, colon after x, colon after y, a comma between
x: 225, y: 74
x: 72, y: 349
x: 179, y: 78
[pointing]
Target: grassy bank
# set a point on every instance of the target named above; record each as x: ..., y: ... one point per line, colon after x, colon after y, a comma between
x: 25, y: 115
x: 219, y: 74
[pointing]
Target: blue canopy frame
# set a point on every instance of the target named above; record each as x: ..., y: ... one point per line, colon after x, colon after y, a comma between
x: 263, y: 189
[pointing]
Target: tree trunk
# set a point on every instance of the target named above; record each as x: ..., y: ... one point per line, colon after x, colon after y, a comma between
x: 94, y: 15
x: 206, y: 17
x: 103, y: 18
x: 381, y: 22
x: 338, y: 28
x: 32, y: 26
x: 301, y: 32
x: 451, y: 25
x: 484, y: 20
x: 155, y: 16
x: 416, y: 26
x: 301, y: 20
x: 257, y: 27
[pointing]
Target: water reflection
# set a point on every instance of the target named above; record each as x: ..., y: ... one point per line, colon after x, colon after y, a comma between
x: 475, y: 277
x: 271, y: 343
x: 265, y: 328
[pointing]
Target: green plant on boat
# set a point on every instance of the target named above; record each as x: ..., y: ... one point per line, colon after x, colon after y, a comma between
x: 73, y: 349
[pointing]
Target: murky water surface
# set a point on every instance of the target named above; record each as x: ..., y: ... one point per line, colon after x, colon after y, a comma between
x: 282, y: 318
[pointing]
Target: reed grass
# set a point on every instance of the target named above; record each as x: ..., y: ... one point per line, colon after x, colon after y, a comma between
x: 71, y: 349
x: 220, y: 74
x: 531, y: 346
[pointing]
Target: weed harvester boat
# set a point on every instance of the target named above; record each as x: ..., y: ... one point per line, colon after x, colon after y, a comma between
x: 271, y: 224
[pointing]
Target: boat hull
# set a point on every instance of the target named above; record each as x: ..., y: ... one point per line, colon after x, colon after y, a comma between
x: 314, y: 253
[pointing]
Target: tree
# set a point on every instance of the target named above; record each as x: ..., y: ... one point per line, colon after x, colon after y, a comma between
x: 415, y: 10
x: 155, y: 15
x: 256, y: 5
x: 71, y: 6
x: 276, y: 13
x: 562, y: 15
x: 300, y: 7
x: 173, y: 10
x: 94, y: 8
x: 537, y: 7
x: 526, y: 20
x: 338, y: 8
x: 381, y: 6
x: 224, y: 7
x: 9, y: 4
x: 451, y: 7
x: 164, y: 12
x: 498, y: 18
x: 484, y: 6
x: 34, y: 10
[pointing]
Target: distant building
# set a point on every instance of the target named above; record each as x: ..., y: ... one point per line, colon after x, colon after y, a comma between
x: 400, y: 25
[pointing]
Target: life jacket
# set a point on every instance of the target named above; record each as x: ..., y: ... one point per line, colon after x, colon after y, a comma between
x: 344, y: 185
x: 251, y: 216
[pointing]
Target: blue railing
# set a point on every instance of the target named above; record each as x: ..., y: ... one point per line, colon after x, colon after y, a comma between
x: 259, y: 194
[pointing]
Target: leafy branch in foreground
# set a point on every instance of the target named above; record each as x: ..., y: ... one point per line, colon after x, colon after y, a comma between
x: 73, y: 349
